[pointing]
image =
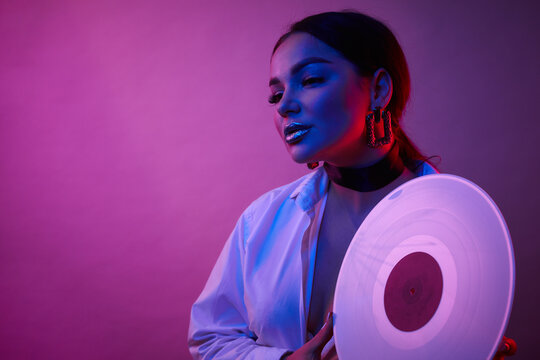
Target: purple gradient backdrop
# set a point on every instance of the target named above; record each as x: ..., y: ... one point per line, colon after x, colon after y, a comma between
x: 133, y: 134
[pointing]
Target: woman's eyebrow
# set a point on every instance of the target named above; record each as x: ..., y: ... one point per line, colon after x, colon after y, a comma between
x: 299, y: 65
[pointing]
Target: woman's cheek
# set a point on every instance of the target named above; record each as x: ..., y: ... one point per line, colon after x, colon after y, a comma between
x: 277, y: 124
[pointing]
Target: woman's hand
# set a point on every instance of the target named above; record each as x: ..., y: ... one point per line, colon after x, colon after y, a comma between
x: 313, y: 348
x: 508, y: 347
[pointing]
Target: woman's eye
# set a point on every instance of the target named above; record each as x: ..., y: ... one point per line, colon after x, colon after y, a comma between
x: 274, y: 98
x: 312, y: 80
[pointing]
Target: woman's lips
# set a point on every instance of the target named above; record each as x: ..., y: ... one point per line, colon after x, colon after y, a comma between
x: 294, y: 132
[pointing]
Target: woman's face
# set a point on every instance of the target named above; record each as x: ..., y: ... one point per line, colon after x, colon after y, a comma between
x: 320, y: 102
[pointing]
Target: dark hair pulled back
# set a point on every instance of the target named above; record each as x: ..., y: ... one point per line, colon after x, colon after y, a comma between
x: 369, y: 45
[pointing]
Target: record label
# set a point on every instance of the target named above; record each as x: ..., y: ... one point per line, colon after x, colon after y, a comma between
x: 413, y: 291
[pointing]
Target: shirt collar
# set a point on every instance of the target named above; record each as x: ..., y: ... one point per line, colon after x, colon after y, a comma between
x: 427, y: 169
x: 311, y: 189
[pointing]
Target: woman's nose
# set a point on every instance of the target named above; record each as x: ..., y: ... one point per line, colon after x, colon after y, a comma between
x: 288, y: 105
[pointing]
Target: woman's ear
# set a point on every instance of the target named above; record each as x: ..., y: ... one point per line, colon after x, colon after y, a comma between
x: 381, y: 89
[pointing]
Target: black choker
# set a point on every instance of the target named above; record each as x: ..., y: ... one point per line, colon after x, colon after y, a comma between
x: 368, y: 178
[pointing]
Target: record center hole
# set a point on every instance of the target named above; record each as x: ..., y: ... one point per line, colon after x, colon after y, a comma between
x: 412, y: 291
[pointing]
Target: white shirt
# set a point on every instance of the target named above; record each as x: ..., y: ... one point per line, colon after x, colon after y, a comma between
x: 256, y: 301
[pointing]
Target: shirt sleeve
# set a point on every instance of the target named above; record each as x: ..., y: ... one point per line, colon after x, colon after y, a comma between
x: 219, y: 320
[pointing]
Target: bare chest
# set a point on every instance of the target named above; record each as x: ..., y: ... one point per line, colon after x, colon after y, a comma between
x: 344, y: 213
x: 337, y: 229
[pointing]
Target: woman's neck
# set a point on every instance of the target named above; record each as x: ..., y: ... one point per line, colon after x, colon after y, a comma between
x: 362, y: 158
x: 368, y: 178
x: 358, y: 201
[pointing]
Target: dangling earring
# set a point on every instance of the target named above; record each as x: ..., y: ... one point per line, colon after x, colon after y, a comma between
x: 312, y: 165
x: 373, y: 118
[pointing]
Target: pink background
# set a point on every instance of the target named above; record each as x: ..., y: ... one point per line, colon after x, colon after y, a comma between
x: 133, y: 134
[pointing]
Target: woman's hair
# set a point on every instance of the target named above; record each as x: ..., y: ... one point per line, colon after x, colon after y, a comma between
x: 369, y: 45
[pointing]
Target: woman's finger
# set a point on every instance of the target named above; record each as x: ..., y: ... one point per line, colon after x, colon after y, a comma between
x: 325, y: 334
x: 331, y: 354
x: 313, y: 348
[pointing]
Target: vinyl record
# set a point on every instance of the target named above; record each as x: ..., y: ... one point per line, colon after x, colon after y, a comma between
x: 428, y: 275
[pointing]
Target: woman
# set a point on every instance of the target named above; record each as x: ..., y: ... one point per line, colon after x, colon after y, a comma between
x: 339, y: 83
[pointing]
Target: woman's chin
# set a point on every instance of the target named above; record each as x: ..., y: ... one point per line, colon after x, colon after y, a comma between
x: 302, y: 157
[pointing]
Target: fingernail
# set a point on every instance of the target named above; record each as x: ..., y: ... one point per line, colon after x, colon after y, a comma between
x: 328, y: 316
